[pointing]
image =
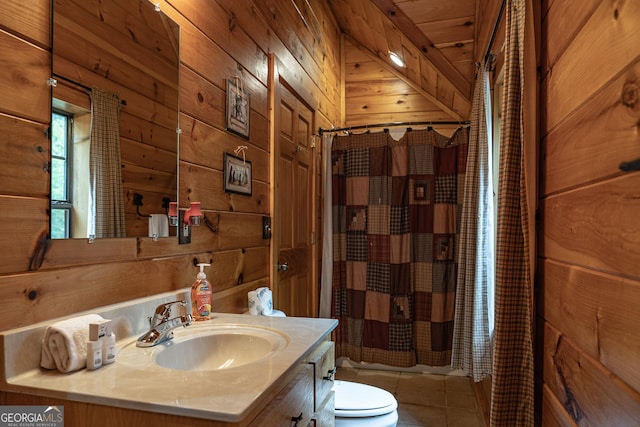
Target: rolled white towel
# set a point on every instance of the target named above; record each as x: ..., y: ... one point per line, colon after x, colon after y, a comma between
x: 64, y: 345
x: 276, y: 313
x: 260, y: 302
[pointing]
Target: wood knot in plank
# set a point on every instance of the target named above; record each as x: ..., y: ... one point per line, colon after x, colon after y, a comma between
x: 233, y: 21
x: 630, y: 94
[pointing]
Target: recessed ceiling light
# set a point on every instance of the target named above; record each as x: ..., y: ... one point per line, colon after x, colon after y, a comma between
x: 396, y: 59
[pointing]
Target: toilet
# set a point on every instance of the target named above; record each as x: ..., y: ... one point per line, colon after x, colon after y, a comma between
x: 364, y: 405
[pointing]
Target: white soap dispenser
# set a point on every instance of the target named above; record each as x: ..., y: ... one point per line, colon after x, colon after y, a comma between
x: 201, y: 296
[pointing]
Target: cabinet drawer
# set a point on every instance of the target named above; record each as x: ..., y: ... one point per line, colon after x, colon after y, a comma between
x: 323, y: 361
x: 325, y: 415
x: 295, y: 401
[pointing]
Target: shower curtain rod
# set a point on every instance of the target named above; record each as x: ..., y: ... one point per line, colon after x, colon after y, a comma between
x: 384, y: 125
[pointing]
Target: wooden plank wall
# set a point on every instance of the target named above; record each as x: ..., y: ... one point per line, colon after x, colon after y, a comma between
x: 219, y: 40
x: 588, y: 316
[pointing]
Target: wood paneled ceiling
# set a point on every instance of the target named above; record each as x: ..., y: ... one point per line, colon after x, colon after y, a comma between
x: 439, y: 42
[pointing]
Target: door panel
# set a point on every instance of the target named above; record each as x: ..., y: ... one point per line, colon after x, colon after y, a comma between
x: 284, y: 210
x: 302, y: 209
x: 295, y: 290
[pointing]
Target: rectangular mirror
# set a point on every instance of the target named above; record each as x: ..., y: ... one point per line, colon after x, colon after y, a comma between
x: 129, y: 49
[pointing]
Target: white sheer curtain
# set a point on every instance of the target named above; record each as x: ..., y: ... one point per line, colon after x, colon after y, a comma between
x: 327, y: 235
x: 473, y: 324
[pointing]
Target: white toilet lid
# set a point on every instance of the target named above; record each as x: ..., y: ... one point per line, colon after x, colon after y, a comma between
x: 386, y: 420
x: 361, y: 400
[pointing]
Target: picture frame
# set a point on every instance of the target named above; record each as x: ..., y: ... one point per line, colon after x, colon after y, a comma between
x: 238, y: 109
x: 237, y: 175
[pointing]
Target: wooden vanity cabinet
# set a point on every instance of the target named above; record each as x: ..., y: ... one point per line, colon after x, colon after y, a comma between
x: 324, y: 369
x: 307, y: 401
x: 293, y: 404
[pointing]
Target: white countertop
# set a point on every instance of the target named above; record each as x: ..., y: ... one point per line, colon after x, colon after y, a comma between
x: 225, y: 395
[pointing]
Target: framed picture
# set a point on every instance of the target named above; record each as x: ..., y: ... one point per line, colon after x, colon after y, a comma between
x: 238, y: 103
x: 237, y: 175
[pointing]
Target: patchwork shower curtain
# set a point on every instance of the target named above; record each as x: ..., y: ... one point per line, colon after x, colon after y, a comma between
x: 396, y: 208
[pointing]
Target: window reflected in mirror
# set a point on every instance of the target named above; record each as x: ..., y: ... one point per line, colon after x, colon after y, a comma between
x: 70, y: 136
x: 61, y: 170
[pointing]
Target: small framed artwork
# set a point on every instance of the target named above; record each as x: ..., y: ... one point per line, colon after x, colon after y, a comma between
x: 238, y: 108
x: 237, y: 175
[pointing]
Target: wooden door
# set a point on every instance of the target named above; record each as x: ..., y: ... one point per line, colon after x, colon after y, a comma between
x: 295, y: 271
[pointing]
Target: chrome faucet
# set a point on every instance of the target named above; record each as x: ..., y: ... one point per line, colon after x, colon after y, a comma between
x: 162, y: 325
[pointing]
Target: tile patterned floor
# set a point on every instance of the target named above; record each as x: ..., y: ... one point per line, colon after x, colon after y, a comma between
x: 424, y: 400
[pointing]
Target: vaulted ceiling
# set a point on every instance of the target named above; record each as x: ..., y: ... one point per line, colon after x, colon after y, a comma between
x: 439, y: 41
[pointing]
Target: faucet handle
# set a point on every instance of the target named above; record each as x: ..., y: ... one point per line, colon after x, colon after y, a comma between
x: 163, y: 311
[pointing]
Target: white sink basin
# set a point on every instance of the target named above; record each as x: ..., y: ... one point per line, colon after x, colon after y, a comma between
x: 209, y: 347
